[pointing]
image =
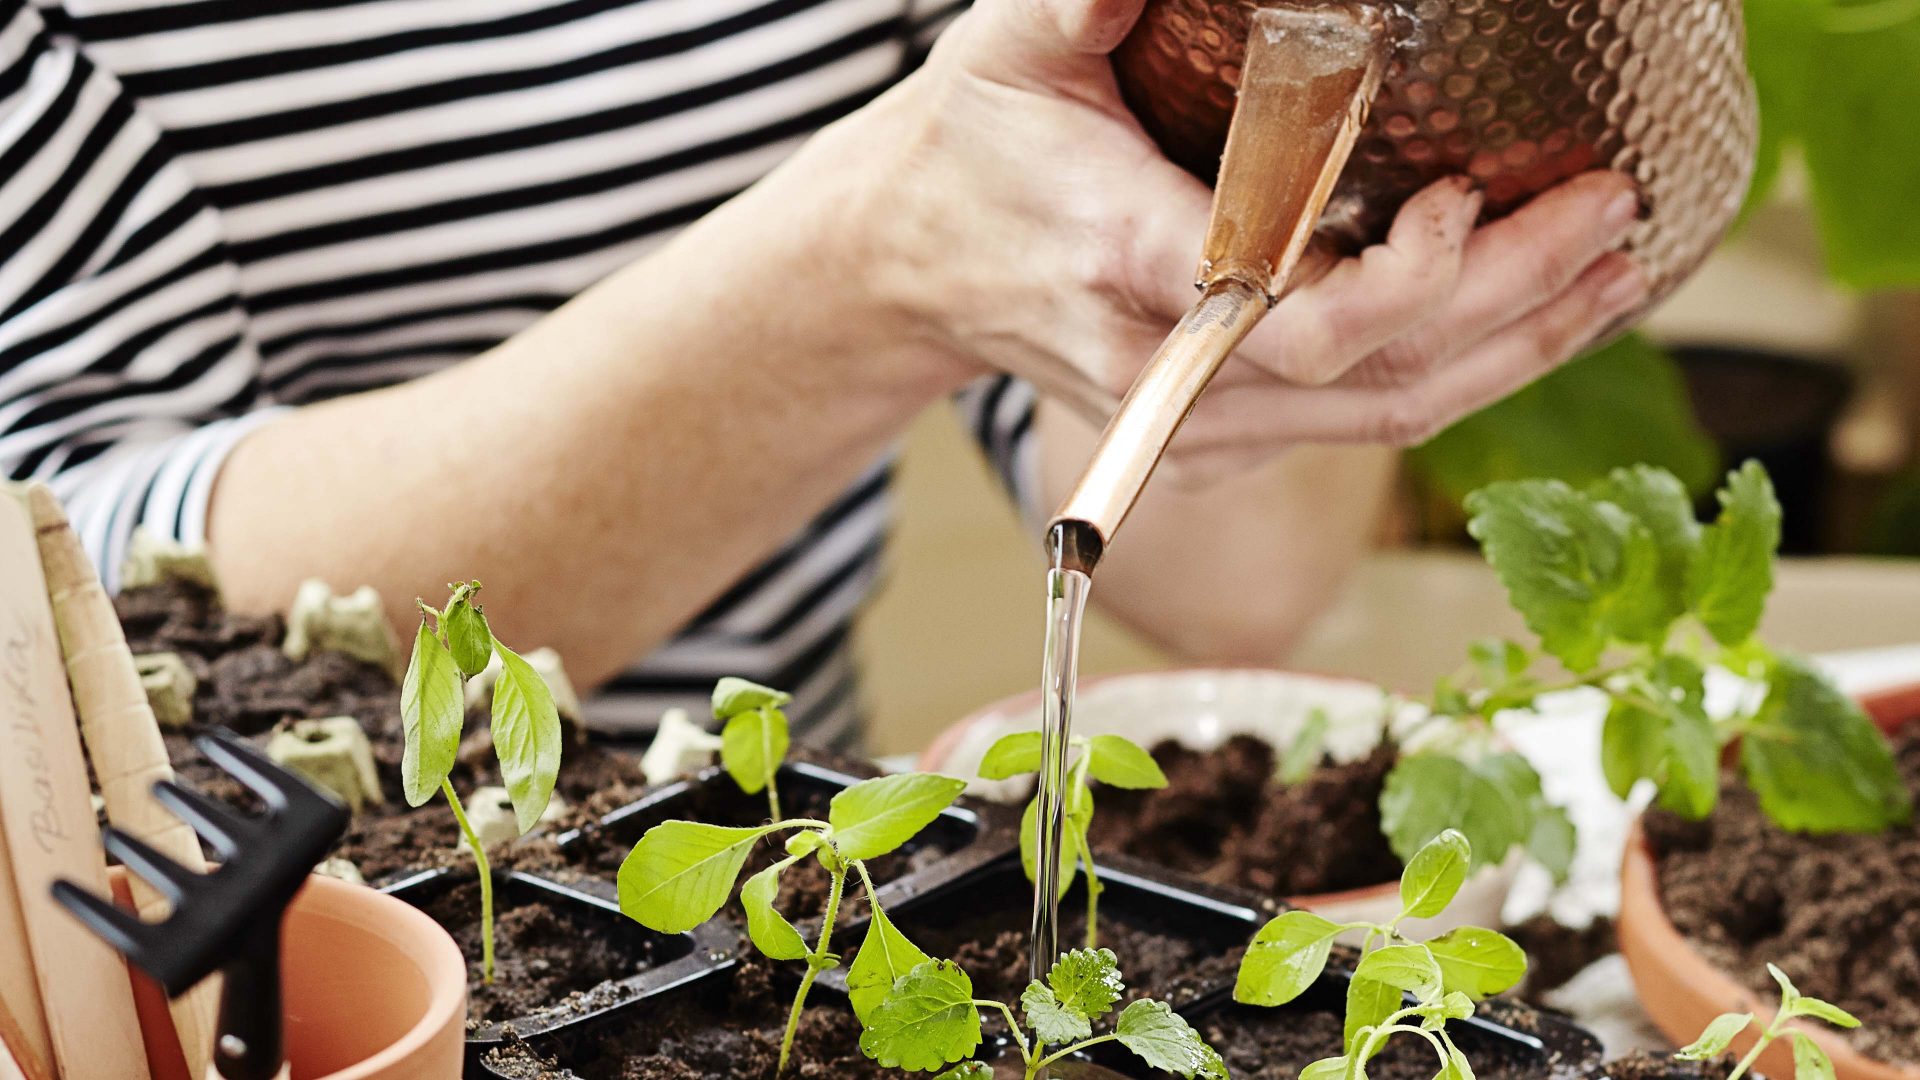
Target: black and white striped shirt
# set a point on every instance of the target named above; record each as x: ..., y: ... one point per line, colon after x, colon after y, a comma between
x: 213, y: 209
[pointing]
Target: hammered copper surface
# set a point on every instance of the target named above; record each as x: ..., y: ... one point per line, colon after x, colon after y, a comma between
x: 1518, y: 94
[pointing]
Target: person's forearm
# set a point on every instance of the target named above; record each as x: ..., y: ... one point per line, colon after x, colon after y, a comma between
x: 610, y: 470
x: 1235, y: 572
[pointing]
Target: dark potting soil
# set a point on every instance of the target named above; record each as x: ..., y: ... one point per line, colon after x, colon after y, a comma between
x: 542, y: 954
x: 1839, y: 914
x: 247, y: 684
x: 1275, y: 1044
x: 728, y: 1029
x: 1556, y: 953
x: 1641, y: 1065
x: 1223, y: 818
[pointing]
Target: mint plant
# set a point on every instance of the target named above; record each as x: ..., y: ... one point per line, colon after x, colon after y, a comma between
x: 454, y: 644
x: 1637, y: 599
x: 754, y: 741
x: 1809, y: 1061
x: 929, y: 1019
x: 1444, y: 976
x: 681, y: 873
x: 1109, y: 759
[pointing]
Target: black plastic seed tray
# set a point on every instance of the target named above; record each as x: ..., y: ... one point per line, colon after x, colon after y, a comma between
x: 659, y: 960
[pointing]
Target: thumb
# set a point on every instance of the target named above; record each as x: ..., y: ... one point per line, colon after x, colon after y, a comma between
x: 1030, y: 42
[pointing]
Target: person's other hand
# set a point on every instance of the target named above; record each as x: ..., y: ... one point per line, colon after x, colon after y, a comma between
x: 1020, y: 219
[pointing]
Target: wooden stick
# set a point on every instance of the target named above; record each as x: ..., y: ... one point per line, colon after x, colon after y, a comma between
x: 47, y: 812
x: 122, y: 738
x: 23, y: 1023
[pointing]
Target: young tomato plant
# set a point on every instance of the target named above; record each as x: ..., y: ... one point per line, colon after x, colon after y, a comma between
x: 930, y: 1019
x: 754, y: 740
x: 1445, y: 975
x: 1809, y: 1061
x: 455, y: 644
x: 681, y: 872
x: 1637, y: 599
x: 1109, y: 759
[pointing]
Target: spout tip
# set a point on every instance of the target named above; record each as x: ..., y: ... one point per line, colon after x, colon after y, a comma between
x: 1073, y: 544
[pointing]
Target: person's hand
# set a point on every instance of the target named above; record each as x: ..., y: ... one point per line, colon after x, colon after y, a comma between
x: 1020, y: 219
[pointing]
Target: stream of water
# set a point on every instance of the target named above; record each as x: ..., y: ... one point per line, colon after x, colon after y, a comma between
x: 1074, y: 549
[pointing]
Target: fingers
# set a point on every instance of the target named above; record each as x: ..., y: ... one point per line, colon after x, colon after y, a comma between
x: 1027, y: 42
x: 1320, y: 330
x: 1243, y: 425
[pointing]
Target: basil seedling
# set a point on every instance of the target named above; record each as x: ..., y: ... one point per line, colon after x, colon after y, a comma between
x: 754, y: 741
x: 1637, y: 599
x: 681, y: 872
x: 930, y: 1018
x: 455, y: 644
x: 1445, y: 975
x: 1109, y: 759
x: 1809, y: 1061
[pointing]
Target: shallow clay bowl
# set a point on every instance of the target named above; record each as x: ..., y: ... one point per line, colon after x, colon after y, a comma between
x: 1682, y: 990
x: 1202, y: 708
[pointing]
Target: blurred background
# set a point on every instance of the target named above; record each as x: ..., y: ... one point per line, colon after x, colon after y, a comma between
x: 1799, y: 345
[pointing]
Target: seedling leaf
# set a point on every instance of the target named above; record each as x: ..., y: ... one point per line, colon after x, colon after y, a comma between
x: 1478, y: 962
x: 1809, y: 1061
x: 1011, y: 755
x: 752, y: 745
x: 680, y: 873
x: 968, y: 1070
x: 1434, y: 875
x: 1457, y: 1068
x: 1333, y: 1068
x: 432, y: 707
x: 1086, y: 982
x: 526, y: 736
x: 1369, y: 1003
x: 875, y: 816
x: 1285, y: 958
x: 1164, y: 1041
x: 1553, y: 841
x: 1731, y: 571
x: 1820, y: 1010
x: 1051, y: 1021
x: 1303, y: 753
x: 772, y: 934
x: 1411, y: 968
x: 1817, y: 762
x: 1070, y: 853
x: 883, y: 959
x: 1660, y: 502
x: 733, y: 695
x: 1117, y: 761
x: 1716, y: 1038
x: 1789, y: 993
x: 469, y: 638
x: 926, y: 1021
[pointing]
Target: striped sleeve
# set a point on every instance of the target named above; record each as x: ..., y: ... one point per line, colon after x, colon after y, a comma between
x: 927, y: 18
x: 125, y: 366
x: 998, y: 411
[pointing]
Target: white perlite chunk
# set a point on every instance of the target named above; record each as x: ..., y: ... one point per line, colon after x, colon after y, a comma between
x: 545, y: 663
x: 344, y: 869
x: 152, y: 559
x: 355, y: 624
x: 333, y: 753
x: 170, y: 686
x: 680, y: 747
x: 490, y: 812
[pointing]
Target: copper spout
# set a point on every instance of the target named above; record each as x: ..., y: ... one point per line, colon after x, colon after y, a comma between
x: 1309, y: 76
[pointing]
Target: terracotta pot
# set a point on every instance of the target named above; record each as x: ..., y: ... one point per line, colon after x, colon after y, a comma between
x: 1683, y: 991
x: 375, y: 990
x: 1202, y: 708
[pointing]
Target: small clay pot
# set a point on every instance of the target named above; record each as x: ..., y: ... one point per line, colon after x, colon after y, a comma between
x: 1204, y: 707
x: 374, y: 990
x: 1683, y: 991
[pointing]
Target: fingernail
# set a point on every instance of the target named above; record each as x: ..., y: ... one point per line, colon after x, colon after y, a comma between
x: 1627, y: 287
x: 1621, y: 213
x: 1470, y: 207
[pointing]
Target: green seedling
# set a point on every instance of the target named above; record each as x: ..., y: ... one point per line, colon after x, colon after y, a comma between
x: 754, y: 740
x: 681, y: 873
x: 1809, y: 1061
x: 930, y: 1020
x: 1637, y: 599
x: 1443, y: 976
x: 1109, y: 759
x: 455, y: 644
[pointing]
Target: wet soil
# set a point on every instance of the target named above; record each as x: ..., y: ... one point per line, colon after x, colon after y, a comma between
x: 1839, y: 914
x: 544, y: 954
x: 247, y: 684
x: 1224, y: 818
x: 727, y: 1028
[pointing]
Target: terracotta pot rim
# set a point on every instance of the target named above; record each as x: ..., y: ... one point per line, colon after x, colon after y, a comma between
x: 410, y: 931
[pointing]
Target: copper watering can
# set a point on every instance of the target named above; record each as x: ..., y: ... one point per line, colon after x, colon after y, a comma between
x: 1320, y: 117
